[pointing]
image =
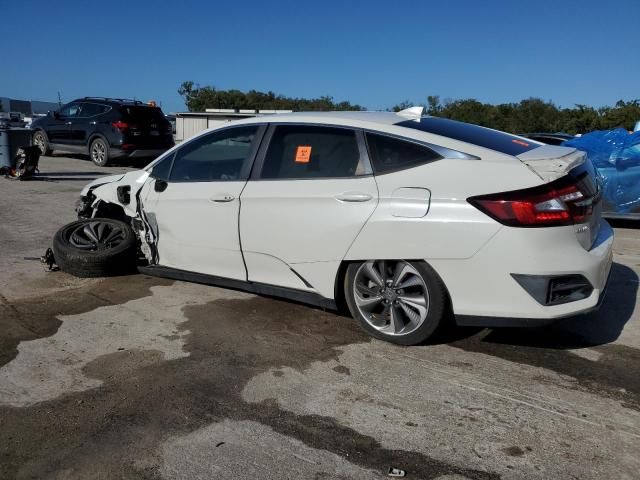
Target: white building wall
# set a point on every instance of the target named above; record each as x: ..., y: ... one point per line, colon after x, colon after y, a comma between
x: 187, y: 127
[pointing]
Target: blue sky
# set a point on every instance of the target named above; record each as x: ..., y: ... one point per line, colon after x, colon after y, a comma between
x: 375, y: 53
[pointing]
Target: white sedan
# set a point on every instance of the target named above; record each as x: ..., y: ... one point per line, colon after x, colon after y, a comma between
x: 409, y: 220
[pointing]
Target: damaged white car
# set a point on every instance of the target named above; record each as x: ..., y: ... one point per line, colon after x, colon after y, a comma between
x: 408, y: 220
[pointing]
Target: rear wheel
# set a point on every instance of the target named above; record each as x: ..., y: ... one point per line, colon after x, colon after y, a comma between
x: 40, y: 141
x: 99, y: 151
x: 395, y: 300
x: 98, y: 247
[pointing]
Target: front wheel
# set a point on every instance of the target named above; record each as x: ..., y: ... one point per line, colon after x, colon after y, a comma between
x: 99, y: 151
x: 395, y: 300
x: 98, y: 247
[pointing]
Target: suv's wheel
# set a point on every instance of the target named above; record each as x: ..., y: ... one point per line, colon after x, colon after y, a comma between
x: 99, y: 151
x: 40, y: 141
x: 98, y: 247
x: 395, y: 300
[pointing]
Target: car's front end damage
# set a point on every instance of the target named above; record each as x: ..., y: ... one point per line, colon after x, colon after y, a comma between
x: 117, y: 197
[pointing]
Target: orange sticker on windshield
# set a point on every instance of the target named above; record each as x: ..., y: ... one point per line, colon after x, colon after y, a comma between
x: 303, y: 154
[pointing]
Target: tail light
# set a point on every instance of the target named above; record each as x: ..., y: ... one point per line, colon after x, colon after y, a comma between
x: 557, y: 203
x: 122, y: 126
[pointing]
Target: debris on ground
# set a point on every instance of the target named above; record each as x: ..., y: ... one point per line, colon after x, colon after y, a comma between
x: 396, y: 472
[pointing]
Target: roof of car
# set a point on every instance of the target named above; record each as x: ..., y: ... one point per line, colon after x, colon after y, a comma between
x: 387, y: 118
x: 109, y: 100
x: 410, y: 119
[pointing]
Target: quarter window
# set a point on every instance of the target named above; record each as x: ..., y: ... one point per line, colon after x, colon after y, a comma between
x: 389, y: 154
x: 303, y: 151
x: 217, y: 156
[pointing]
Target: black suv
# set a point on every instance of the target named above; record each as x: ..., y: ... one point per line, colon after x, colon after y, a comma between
x: 105, y: 128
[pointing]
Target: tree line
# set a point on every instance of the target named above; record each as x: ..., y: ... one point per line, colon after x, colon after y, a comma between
x: 529, y: 115
x: 197, y: 99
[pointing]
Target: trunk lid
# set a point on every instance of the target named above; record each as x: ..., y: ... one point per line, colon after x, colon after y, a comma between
x: 551, y: 162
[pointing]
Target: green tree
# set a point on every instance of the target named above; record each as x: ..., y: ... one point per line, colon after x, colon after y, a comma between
x: 198, y: 98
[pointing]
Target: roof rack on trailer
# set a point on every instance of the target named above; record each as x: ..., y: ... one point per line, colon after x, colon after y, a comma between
x: 109, y: 99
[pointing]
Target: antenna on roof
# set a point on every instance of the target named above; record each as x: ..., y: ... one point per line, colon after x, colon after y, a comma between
x: 412, y: 112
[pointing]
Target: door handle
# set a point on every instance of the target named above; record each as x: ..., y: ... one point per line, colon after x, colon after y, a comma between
x: 354, y: 197
x: 93, y: 123
x: 67, y: 123
x: 223, y: 198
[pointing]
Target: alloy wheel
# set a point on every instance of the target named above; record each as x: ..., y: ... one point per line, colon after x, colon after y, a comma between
x: 96, y: 235
x: 391, y: 295
x: 98, y: 152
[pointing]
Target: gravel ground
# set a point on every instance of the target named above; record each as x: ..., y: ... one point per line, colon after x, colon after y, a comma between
x: 140, y: 377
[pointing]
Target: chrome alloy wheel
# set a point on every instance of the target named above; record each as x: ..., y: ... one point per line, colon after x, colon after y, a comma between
x: 98, y: 152
x: 96, y: 235
x: 391, y: 295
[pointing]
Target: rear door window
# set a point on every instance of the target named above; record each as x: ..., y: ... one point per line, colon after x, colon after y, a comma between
x: 222, y: 155
x: 467, y: 132
x: 389, y: 154
x: 309, y: 151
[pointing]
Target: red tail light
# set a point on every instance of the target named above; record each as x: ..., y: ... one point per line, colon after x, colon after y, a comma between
x: 122, y: 126
x: 557, y: 203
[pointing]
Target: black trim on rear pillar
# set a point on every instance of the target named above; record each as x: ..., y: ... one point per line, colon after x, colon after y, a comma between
x: 310, y: 298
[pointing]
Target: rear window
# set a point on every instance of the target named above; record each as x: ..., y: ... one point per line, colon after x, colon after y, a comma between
x: 143, y: 114
x: 467, y: 132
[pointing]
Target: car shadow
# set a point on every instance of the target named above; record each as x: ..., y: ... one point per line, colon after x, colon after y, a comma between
x: 596, y: 328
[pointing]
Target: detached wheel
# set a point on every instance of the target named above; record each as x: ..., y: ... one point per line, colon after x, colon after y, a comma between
x: 40, y: 141
x: 99, y: 151
x: 98, y: 247
x: 395, y: 300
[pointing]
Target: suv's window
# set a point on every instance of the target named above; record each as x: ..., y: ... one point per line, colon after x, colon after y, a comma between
x: 70, y: 110
x: 302, y: 151
x: 92, y: 109
x: 143, y: 114
x: 216, y: 156
x: 389, y: 154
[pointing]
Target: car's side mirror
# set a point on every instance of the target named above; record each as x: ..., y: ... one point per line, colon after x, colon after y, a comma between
x: 54, y: 114
x: 160, y: 185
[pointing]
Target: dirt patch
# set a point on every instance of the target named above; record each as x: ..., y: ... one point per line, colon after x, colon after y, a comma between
x: 37, y: 317
x: 115, y: 430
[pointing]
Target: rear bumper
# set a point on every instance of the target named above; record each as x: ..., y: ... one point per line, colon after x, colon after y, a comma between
x: 488, y: 322
x: 484, y: 292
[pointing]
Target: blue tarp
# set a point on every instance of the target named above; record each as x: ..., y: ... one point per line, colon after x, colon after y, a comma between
x: 616, y: 155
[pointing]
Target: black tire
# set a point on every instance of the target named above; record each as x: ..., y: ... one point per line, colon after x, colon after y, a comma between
x: 99, y: 152
x: 41, y: 141
x: 108, y: 257
x: 437, y: 301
